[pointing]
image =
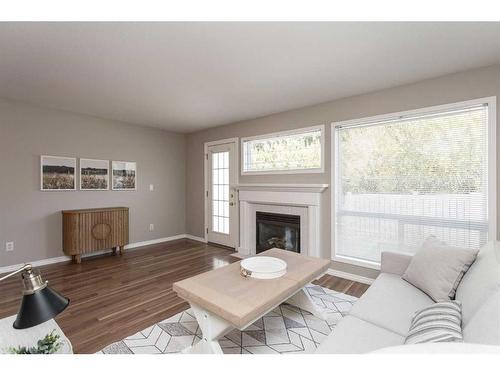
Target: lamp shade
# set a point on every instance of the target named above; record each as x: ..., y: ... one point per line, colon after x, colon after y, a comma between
x: 38, y: 307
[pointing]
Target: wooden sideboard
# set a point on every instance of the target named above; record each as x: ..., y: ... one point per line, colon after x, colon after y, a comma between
x: 94, y: 229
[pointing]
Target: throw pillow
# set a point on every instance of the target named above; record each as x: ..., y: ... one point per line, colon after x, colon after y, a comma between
x: 437, y: 269
x: 440, y: 322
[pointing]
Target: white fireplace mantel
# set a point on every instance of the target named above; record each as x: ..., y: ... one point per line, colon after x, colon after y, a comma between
x: 303, y: 200
x: 307, y: 188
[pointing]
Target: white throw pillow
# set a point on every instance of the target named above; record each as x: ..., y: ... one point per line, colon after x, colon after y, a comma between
x: 437, y: 269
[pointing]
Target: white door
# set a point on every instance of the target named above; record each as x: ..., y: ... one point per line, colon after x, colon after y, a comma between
x: 222, y: 210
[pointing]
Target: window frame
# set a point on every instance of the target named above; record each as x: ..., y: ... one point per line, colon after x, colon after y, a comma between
x: 321, y: 169
x: 492, y: 164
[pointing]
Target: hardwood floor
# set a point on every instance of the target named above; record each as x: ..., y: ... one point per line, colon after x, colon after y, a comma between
x: 352, y: 288
x: 113, y: 297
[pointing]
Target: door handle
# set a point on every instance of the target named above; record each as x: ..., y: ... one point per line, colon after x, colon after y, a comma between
x: 231, y: 203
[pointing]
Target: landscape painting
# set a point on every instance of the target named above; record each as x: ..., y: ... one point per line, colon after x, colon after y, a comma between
x: 124, y: 175
x: 57, y: 173
x: 94, y: 174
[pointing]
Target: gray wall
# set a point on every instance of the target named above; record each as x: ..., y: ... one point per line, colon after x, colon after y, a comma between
x: 447, y: 89
x: 172, y: 162
x: 32, y: 218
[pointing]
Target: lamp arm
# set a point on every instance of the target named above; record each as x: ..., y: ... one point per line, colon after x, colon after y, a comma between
x: 26, y: 267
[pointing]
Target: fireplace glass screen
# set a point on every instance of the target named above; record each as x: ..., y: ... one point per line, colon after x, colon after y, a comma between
x: 277, y: 230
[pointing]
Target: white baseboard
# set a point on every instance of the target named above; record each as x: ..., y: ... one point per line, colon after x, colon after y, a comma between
x: 36, y: 263
x: 195, y: 238
x: 239, y: 256
x: 350, y: 276
x: 131, y: 246
x: 153, y: 242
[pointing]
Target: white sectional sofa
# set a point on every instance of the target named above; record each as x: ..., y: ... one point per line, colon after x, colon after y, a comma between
x: 382, y: 316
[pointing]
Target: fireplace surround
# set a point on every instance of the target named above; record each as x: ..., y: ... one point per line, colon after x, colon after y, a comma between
x: 302, y: 200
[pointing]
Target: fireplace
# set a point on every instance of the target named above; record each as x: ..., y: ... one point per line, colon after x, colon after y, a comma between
x: 277, y: 230
x: 303, y: 200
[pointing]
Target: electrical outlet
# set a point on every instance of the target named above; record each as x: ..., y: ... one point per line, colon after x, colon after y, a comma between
x: 9, y: 246
x: 151, y: 187
x: 151, y: 227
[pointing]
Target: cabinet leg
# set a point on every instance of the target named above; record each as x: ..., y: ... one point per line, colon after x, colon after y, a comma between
x: 114, y: 250
x: 122, y: 248
x: 73, y: 258
x: 78, y: 259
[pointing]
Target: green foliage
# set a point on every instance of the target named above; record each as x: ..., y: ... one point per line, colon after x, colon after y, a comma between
x: 431, y: 155
x: 286, y: 152
x: 48, y: 345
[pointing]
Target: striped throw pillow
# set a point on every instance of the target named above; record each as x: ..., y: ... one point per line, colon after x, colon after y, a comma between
x: 440, y: 322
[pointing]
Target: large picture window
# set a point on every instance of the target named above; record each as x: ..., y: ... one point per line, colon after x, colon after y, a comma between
x: 402, y: 178
x: 297, y: 151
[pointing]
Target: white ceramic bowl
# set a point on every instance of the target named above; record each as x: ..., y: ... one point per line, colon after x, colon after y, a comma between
x: 261, y: 267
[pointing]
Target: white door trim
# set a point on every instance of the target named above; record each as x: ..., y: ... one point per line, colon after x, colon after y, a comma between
x: 236, y: 162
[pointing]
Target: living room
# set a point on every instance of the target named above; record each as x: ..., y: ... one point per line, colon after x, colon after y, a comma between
x: 249, y: 188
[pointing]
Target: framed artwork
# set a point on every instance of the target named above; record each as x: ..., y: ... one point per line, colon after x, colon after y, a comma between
x: 124, y: 175
x: 57, y: 173
x: 94, y: 174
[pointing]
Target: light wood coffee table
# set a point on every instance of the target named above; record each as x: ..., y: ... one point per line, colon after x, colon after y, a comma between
x: 222, y: 299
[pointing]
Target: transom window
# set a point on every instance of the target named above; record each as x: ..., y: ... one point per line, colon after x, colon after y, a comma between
x: 399, y: 180
x: 297, y: 151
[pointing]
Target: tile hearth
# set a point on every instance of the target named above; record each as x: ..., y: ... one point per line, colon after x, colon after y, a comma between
x: 286, y: 329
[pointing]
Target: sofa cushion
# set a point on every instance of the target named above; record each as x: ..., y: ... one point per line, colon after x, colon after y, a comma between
x: 484, y: 327
x: 390, y: 303
x: 481, y: 281
x: 437, y: 269
x: 353, y: 335
x: 441, y: 348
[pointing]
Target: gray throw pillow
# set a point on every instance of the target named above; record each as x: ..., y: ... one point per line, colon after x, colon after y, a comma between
x: 440, y: 322
x: 437, y: 269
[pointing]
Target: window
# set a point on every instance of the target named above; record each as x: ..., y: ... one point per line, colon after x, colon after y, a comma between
x: 298, y: 151
x: 220, y: 192
x: 402, y: 178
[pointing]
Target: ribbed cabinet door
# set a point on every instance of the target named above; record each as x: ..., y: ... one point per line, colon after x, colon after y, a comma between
x: 125, y: 227
x: 120, y: 233
x: 70, y: 233
x: 96, y: 231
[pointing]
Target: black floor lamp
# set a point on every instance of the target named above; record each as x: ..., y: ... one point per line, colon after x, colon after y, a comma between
x: 40, y: 302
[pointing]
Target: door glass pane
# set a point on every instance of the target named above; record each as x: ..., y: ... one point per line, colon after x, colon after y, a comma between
x: 220, y: 192
x: 216, y: 225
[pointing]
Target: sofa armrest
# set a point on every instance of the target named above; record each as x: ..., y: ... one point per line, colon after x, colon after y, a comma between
x: 396, y: 263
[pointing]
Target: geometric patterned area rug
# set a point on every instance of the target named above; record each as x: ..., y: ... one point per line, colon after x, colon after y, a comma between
x: 285, y: 330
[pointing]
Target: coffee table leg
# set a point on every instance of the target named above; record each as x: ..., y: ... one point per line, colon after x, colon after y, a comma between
x: 212, y: 327
x: 303, y: 300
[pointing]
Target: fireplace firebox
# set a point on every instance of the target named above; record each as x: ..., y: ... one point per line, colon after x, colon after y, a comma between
x: 277, y: 230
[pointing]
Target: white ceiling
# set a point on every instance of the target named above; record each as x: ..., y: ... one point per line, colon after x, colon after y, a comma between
x: 189, y: 76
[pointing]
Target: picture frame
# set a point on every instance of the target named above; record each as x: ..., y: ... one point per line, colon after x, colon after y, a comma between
x: 94, y: 174
x: 57, y: 173
x: 123, y: 175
